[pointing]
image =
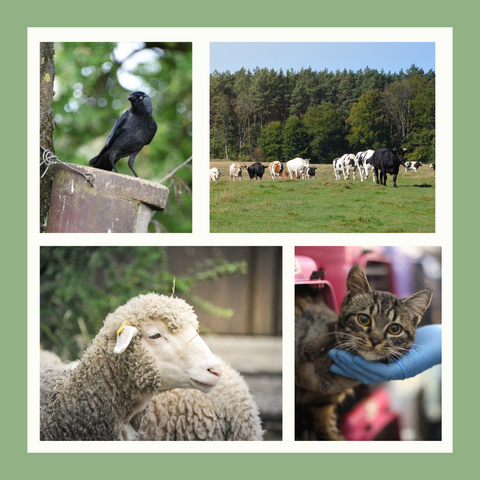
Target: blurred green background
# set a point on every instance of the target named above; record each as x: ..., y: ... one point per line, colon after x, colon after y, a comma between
x: 92, y: 85
x: 79, y: 286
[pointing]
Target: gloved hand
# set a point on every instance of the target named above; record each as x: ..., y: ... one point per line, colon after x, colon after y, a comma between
x: 424, y: 353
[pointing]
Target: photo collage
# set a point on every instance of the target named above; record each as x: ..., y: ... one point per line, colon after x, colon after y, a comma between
x: 295, y: 296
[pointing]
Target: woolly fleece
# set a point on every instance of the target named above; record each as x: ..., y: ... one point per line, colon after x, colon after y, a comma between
x: 228, y: 412
x: 97, y: 400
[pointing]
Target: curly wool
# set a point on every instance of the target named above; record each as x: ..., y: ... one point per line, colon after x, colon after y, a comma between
x: 174, y: 312
x: 228, y: 412
x: 97, y: 400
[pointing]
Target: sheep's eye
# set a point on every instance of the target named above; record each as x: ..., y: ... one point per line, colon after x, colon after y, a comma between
x: 394, y: 329
x: 154, y: 336
x: 364, y: 319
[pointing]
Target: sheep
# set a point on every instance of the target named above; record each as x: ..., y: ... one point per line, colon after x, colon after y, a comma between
x: 53, y: 361
x: 148, y: 345
x: 227, y: 413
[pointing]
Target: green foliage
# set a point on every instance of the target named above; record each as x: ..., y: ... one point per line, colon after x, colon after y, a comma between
x: 420, y: 140
x: 324, y: 126
x: 271, y: 141
x: 335, y: 112
x: 295, y: 139
x: 305, y: 92
x: 91, y: 94
x: 79, y: 286
x: 367, y: 122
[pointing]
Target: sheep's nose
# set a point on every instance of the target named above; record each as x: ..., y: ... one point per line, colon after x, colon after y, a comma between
x: 217, y: 371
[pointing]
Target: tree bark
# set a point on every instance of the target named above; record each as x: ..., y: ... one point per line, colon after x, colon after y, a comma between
x: 47, y: 125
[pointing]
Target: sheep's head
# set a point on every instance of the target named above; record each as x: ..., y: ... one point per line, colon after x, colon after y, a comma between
x: 165, y: 331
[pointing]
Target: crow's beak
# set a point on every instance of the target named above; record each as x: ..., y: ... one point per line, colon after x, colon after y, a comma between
x: 131, y: 97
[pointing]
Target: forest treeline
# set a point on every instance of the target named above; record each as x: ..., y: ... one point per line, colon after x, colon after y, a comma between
x: 267, y: 115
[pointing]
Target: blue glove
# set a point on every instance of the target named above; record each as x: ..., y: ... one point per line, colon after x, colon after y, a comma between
x: 424, y: 353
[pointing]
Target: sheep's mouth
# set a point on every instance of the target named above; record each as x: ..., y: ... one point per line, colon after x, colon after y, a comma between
x: 203, y: 386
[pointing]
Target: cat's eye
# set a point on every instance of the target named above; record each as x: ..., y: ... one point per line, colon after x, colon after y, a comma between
x: 154, y: 336
x: 394, y: 329
x: 364, y: 319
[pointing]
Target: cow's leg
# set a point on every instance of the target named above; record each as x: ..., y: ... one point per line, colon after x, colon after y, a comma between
x: 395, y: 180
x: 375, y: 173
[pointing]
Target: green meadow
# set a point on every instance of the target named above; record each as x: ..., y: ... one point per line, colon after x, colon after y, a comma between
x: 324, y: 204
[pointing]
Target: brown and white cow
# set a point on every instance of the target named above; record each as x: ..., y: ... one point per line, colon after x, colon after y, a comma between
x: 276, y: 169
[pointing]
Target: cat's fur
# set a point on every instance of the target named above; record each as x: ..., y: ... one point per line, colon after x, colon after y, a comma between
x: 318, y: 329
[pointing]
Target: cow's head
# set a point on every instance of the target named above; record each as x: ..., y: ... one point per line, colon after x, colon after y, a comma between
x: 400, y: 152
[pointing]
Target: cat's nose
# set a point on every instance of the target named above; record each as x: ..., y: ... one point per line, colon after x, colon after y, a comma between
x: 375, y: 341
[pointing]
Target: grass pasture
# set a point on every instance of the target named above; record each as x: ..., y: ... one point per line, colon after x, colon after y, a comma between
x: 322, y: 205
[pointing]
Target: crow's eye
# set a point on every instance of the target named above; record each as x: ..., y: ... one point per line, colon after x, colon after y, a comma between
x: 140, y: 98
x: 394, y: 329
x: 154, y: 336
x: 364, y: 319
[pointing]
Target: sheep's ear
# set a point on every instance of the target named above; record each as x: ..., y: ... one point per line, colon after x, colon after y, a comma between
x: 124, y: 338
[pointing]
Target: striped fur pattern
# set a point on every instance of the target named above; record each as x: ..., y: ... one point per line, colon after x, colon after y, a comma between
x: 376, y: 325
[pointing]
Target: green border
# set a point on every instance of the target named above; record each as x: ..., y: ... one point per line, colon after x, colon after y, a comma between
x: 17, y: 16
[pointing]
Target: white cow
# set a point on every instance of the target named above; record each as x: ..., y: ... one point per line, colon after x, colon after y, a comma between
x: 297, y: 166
x: 236, y: 171
x: 348, y: 162
x: 360, y: 162
x: 214, y: 174
x: 337, y: 168
x: 412, y: 166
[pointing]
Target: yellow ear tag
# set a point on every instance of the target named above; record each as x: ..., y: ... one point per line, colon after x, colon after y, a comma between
x: 120, y: 330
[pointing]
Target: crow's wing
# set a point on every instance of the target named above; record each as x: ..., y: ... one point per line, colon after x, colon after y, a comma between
x: 117, y: 130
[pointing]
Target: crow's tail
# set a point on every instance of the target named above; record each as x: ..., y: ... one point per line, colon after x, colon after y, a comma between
x: 100, y: 162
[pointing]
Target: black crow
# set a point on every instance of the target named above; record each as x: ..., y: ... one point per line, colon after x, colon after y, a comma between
x: 133, y: 130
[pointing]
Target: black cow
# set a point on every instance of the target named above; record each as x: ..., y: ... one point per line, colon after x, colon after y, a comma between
x: 387, y: 160
x: 311, y: 172
x: 256, y: 170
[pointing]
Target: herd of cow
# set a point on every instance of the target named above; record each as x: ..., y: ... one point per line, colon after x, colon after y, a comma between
x: 380, y: 162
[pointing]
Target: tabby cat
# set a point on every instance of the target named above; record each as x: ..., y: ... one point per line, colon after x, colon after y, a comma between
x: 376, y: 325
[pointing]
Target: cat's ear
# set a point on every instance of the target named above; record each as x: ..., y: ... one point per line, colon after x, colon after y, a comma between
x: 357, y: 282
x: 418, y: 303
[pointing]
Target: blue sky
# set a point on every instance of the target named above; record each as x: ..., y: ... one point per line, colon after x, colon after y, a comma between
x: 332, y: 56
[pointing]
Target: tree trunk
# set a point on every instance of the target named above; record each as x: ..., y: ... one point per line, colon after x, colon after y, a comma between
x: 47, y: 125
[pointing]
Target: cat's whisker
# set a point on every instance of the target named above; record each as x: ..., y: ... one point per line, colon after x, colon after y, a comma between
x: 363, y: 327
